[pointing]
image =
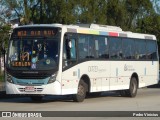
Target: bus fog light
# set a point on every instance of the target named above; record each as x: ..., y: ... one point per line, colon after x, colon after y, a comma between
x: 9, y: 78
x: 52, y: 78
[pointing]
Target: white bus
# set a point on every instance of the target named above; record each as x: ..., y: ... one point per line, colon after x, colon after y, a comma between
x: 75, y: 60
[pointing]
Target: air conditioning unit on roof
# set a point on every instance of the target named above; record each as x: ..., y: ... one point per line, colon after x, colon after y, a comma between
x: 105, y: 27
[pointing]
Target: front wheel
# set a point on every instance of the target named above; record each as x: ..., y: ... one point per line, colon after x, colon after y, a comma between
x: 81, y: 93
x: 132, y: 92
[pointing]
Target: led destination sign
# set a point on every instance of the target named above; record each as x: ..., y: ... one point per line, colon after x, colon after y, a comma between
x: 42, y: 31
x: 21, y: 64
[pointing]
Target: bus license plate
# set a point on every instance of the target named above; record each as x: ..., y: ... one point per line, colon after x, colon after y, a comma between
x: 29, y: 89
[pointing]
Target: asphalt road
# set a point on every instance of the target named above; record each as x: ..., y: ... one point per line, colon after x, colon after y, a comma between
x: 147, y: 99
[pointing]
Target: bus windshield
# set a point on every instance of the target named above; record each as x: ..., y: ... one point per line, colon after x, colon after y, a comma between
x: 33, y: 53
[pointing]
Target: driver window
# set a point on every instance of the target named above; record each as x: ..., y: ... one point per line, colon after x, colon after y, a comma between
x: 69, y: 51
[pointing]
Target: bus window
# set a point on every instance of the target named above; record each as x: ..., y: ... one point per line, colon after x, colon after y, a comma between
x: 101, y: 45
x: 128, y: 48
x: 86, y: 47
x: 115, y: 50
x: 69, y: 51
x: 151, y: 50
x: 140, y: 50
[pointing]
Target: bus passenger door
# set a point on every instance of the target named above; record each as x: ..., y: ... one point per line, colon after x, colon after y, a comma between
x: 69, y: 70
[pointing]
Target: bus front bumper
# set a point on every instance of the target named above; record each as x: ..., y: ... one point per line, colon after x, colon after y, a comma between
x: 49, y: 89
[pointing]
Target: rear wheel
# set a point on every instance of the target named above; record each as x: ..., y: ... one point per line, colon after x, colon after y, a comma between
x: 81, y: 93
x: 132, y: 92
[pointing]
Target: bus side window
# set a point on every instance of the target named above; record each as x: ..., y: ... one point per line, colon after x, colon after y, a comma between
x: 128, y: 48
x: 140, y: 50
x: 115, y: 49
x: 151, y: 50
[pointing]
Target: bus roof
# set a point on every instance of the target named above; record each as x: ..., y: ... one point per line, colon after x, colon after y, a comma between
x: 96, y: 29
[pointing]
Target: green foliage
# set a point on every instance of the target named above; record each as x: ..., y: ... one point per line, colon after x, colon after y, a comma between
x: 131, y: 15
x: 4, y: 34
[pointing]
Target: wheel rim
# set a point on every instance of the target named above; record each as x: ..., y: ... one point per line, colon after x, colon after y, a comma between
x: 133, y: 87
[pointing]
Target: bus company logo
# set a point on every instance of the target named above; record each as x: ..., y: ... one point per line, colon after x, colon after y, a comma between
x: 128, y: 68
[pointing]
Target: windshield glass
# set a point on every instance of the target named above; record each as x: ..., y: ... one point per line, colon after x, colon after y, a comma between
x: 33, y: 54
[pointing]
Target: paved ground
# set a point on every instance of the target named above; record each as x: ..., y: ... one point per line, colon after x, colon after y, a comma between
x: 147, y: 99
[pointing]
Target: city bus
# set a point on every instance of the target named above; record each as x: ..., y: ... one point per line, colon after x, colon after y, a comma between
x: 77, y: 60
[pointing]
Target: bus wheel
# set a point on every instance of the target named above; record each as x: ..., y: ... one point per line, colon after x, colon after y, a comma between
x: 81, y: 93
x: 132, y: 92
x: 36, y: 98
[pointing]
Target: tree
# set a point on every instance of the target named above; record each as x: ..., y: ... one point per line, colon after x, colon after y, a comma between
x: 116, y: 13
x: 91, y: 11
x: 4, y: 12
x: 137, y: 9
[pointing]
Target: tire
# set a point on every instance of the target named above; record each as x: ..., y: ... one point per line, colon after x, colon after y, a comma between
x: 36, y: 98
x: 81, y: 93
x: 132, y: 92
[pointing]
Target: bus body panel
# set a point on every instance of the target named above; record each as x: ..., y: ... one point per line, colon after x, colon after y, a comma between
x: 117, y: 79
x: 98, y: 73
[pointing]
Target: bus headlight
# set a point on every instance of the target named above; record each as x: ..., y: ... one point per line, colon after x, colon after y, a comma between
x: 52, y: 78
x: 9, y: 78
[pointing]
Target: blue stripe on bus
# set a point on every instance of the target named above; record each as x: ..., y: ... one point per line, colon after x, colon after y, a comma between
x: 116, y: 71
x: 78, y: 73
x: 103, y: 33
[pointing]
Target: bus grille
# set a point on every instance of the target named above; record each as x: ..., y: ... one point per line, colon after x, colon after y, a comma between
x: 35, y: 90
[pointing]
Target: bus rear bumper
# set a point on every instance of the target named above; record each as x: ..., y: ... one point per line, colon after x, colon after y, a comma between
x: 49, y: 89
